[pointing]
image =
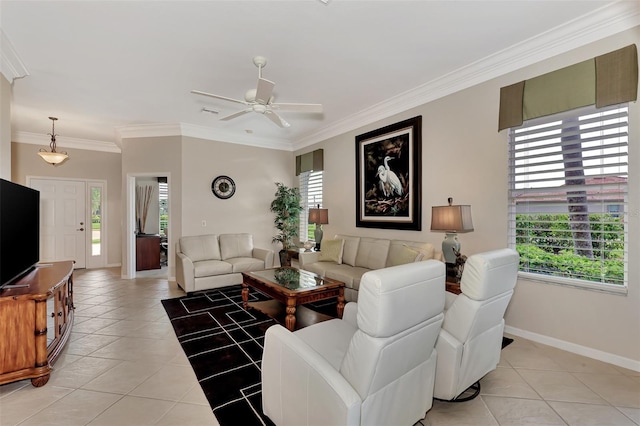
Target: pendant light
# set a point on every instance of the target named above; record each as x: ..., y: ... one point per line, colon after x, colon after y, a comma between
x: 53, y: 157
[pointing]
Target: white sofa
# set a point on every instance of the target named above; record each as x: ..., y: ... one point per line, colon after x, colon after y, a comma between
x: 363, y: 254
x: 212, y: 261
x: 375, y: 366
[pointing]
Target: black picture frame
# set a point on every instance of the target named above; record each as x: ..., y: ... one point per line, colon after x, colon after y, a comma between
x: 389, y: 176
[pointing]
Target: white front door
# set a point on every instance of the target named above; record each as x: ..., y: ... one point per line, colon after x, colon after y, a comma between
x: 63, y: 224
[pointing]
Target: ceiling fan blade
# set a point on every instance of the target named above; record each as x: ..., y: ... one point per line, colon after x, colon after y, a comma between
x: 224, y: 98
x: 298, y: 107
x: 264, y: 91
x: 276, y: 119
x: 236, y: 115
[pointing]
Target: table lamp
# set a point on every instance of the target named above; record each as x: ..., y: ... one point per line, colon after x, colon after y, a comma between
x: 451, y: 220
x: 319, y: 217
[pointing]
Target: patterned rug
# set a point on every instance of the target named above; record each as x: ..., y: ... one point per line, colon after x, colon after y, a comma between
x: 224, y: 345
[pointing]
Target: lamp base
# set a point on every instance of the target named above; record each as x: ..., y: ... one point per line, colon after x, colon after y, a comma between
x: 450, y: 243
x: 317, y: 235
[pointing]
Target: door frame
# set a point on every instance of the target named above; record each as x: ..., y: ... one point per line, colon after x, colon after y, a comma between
x: 129, y: 232
x: 88, y: 257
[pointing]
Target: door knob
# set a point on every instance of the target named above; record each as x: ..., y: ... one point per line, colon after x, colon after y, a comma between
x: 81, y: 229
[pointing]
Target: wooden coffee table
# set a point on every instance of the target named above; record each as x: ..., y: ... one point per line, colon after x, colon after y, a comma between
x: 291, y: 287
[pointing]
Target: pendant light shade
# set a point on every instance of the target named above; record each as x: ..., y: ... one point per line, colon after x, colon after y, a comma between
x: 53, y: 157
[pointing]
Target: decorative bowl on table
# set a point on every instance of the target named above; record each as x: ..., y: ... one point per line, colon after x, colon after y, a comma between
x: 308, y: 245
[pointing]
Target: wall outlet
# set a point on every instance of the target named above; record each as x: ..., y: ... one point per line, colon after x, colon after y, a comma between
x: 204, y: 223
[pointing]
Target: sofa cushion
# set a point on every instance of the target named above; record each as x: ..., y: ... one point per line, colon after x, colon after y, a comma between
x: 200, y: 247
x: 372, y: 253
x: 350, y: 250
x: 427, y: 249
x: 245, y: 264
x: 206, y: 268
x: 332, y: 251
x: 236, y: 245
x: 403, y: 255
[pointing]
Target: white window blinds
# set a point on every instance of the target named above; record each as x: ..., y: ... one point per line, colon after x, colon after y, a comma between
x: 568, y: 195
x: 311, y: 191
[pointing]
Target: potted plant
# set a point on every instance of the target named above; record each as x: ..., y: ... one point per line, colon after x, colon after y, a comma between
x: 287, y: 208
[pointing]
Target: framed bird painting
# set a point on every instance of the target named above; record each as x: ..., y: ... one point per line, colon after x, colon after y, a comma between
x: 388, y: 176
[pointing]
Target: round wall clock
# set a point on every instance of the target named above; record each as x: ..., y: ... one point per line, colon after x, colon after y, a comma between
x: 223, y: 187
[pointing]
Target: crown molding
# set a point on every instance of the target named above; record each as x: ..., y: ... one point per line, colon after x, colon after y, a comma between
x: 199, y: 132
x: 64, y: 142
x: 599, y: 24
x: 11, y: 65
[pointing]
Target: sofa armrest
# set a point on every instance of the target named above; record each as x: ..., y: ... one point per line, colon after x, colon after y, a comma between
x: 298, y: 384
x: 185, y: 272
x: 265, y: 255
x: 308, y: 257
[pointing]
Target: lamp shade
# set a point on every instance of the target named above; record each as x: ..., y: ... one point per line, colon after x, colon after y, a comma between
x: 319, y: 216
x: 451, y: 218
x: 53, y: 157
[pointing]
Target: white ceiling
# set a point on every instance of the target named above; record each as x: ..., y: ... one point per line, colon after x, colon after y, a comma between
x: 111, y: 69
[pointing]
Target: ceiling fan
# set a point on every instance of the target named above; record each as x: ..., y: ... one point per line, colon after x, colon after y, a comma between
x: 261, y: 100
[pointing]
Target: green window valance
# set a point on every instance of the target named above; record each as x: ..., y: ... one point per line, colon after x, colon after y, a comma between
x: 605, y: 80
x: 313, y: 160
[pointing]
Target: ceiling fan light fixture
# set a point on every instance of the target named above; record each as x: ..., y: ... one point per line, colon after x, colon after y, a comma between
x: 53, y: 157
x: 262, y: 100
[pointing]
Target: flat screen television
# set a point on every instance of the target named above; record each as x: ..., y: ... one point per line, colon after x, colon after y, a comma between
x: 19, y: 231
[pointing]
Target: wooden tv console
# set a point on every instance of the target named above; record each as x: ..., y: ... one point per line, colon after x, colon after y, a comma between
x: 36, y: 315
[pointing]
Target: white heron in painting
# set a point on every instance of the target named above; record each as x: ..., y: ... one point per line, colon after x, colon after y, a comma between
x: 392, y: 178
x: 383, y: 184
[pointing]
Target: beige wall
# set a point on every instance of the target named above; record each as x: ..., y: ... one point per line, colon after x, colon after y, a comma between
x: 255, y: 172
x: 85, y: 165
x: 152, y: 157
x: 5, y: 128
x: 464, y: 156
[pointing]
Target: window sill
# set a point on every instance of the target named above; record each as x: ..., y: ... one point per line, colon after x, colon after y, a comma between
x: 572, y: 283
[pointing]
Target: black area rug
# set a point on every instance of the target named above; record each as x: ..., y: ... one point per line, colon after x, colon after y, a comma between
x: 506, y: 341
x: 224, y: 345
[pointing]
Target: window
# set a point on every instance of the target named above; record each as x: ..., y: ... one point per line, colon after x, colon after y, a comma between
x: 163, y: 199
x: 568, y: 197
x: 311, y: 191
x: 96, y: 220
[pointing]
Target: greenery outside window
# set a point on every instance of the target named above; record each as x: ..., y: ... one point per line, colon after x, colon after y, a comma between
x: 163, y: 195
x: 310, y: 184
x: 568, y: 197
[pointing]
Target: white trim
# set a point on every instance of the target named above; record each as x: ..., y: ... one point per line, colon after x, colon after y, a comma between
x: 87, y: 212
x: 91, y: 261
x: 607, y: 357
x: 130, y: 225
x: 200, y: 132
x: 65, y: 142
x: 604, y: 22
x: 620, y: 290
x: 11, y: 65
x: 129, y: 272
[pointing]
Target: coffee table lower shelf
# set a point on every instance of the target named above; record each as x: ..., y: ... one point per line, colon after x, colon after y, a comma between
x: 278, y: 311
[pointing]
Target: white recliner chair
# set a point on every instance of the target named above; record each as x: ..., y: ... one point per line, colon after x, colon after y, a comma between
x: 470, y: 341
x: 375, y: 366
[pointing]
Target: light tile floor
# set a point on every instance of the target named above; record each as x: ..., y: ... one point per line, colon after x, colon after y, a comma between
x: 123, y: 366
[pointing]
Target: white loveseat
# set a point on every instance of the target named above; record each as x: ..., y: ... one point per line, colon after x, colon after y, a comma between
x: 362, y: 254
x: 212, y: 261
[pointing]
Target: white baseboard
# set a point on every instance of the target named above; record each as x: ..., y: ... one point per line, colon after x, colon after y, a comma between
x: 576, y: 349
